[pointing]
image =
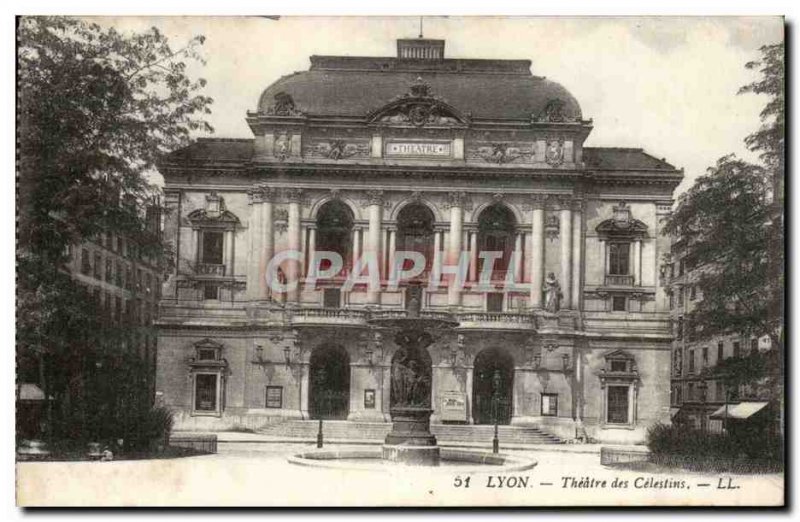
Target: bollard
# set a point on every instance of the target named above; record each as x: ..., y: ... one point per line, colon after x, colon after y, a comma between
x: 319, y: 435
x: 495, y: 440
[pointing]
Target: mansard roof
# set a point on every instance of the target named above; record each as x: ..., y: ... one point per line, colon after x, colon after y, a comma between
x: 620, y: 158
x: 338, y: 86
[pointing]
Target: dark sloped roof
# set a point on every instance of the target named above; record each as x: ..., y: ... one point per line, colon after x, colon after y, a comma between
x: 214, y: 150
x: 356, y: 93
x: 617, y: 158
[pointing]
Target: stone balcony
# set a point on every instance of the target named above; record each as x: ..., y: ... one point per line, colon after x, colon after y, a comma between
x: 619, y: 280
x: 210, y: 269
x: 496, y: 321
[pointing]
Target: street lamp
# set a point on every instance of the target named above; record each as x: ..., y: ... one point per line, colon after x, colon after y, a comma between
x: 495, y: 391
x: 702, y: 386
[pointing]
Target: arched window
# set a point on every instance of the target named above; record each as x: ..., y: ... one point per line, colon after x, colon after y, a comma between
x: 415, y: 232
x: 496, y: 233
x: 335, y: 232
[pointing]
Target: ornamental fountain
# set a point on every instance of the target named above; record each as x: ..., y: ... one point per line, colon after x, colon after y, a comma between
x: 411, y: 440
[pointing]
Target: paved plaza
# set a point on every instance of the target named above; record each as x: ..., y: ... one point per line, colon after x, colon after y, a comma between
x: 258, y: 474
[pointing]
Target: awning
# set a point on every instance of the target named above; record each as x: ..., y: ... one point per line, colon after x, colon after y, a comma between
x: 29, y: 392
x: 741, y: 411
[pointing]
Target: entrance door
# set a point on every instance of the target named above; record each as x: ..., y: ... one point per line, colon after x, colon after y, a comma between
x: 329, y: 389
x: 492, y: 387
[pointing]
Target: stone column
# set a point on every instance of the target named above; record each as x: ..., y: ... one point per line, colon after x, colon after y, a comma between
x: 356, y: 245
x: 254, y: 240
x: 473, y: 255
x: 312, y: 247
x: 637, y: 262
x: 229, y: 239
x: 518, y: 254
x: 305, y: 385
x: 437, y: 251
x: 294, y: 269
x: 373, y: 246
x: 577, y: 250
x: 454, y: 246
x: 565, y: 239
x: 392, y: 251
x: 266, y: 243
x: 537, y: 253
x: 468, y: 391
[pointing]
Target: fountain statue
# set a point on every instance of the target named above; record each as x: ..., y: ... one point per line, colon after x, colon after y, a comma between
x: 411, y: 441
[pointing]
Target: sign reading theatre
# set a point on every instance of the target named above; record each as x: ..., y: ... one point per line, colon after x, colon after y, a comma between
x: 416, y: 149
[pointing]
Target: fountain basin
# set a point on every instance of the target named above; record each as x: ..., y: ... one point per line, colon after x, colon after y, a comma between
x: 371, y: 459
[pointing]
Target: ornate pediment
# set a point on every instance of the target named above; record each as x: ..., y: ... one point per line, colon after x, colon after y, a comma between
x: 283, y: 105
x: 622, y: 224
x: 554, y: 112
x: 214, y: 214
x: 418, y: 108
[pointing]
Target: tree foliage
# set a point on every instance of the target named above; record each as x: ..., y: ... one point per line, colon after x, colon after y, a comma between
x: 96, y: 109
x: 729, y: 229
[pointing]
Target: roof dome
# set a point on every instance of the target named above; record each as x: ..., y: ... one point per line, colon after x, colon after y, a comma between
x: 358, y: 86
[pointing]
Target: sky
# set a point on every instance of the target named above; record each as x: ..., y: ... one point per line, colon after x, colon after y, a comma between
x: 665, y: 84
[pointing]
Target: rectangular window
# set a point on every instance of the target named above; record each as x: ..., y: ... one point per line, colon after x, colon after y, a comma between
x: 212, y: 248
x: 274, y: 397
x: 679, y: 333
x: 619, y: 258
x: 690, y: 392
x: 692, y: 293
x: 494, y: 302
x: 753, y: 345
x: 671, y: 301
x: 720, y: 352
x: 128, y: 278
x: 617, y: 405
x: 118, y: 273
x: 331, y: 298
x: 681, y: 267
x: 98, y: 266
x: 210, y: 291
x: 109, y: 271
x: 86, y: 264
x: 549, y: 405
x: 205, y: 392
x: 737, y: 349
x: 720, y: 391
x: 705, y: 357
x: 691, y: 361
x: 618, y: 303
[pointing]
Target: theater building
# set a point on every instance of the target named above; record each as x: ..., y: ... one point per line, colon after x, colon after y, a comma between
x: 562, y: 321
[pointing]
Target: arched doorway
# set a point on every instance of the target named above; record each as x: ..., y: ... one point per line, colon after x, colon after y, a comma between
x: 496, y: 233
x: 415, y: 233
x: 329, y: 389
x: 335, y: 232
x: 492, y: 387
x: 411, y: 371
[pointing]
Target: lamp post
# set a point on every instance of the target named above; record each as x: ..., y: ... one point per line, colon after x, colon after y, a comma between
x: 495, y: 393
x: 320, y: 410
x: 702, y: 386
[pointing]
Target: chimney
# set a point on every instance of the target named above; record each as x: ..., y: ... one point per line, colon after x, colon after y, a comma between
x: 420, y: 49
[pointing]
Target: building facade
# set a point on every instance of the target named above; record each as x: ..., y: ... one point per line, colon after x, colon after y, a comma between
x: 698, y: 394
x: 126, y: 284
x: 562, y: 319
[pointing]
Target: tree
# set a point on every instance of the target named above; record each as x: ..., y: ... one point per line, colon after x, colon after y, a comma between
x: 730, y: 225
x: 96, y: 109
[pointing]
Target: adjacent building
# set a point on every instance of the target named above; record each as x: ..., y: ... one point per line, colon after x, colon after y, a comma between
x: 566, y: 327
x: 699, y: 397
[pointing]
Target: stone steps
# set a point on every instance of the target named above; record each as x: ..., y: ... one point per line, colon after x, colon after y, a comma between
x: 338, y: 429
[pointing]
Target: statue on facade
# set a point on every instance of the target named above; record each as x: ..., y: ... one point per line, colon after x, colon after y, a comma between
x: 552, y: 293
x: 414, y: 307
